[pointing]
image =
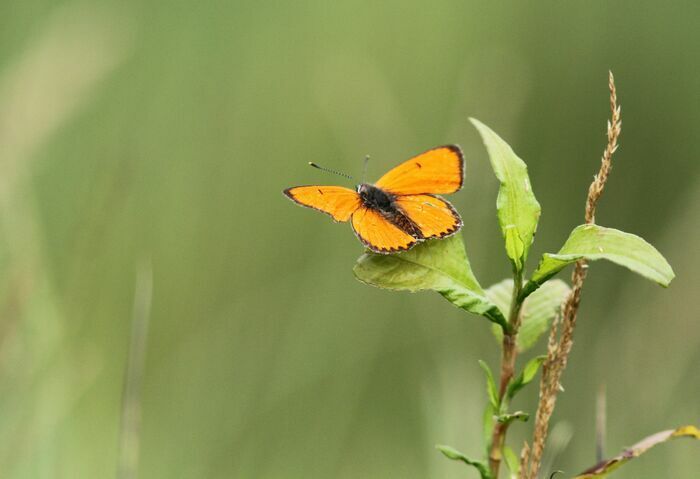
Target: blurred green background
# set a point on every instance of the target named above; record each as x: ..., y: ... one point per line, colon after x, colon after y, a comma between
x: 162, y: 133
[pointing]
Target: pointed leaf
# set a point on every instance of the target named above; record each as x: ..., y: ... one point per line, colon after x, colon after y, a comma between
x: 455, y: 455
x: 526, y: 376
x: 512, y: 461
x: 531, y: 368
x: 490, y: 385
x: 593, y: 242
x: 518, y: 209
x: 440, y: 265
x: 537, y: 311
x: 607, y: 466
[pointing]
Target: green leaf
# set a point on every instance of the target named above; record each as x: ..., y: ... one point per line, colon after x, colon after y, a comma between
x: 512, y: 461
x: 605, y: 467
x: 537, y: 311
x: 439, y: 265
x: 455, y: 455
x: 510, y: 417
x: 526, y: 376
x: 518, y: 209
x: 490, y: 385
x: 593, y: 242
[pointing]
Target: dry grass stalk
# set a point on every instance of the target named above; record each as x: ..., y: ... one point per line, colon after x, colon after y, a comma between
x: 524, y: 457
x: 558, y: 350
x: 614, y: 128
x: 600, y: 423
x: 130, y: 433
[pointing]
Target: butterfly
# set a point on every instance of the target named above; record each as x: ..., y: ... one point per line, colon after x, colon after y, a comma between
x: 401, y: 209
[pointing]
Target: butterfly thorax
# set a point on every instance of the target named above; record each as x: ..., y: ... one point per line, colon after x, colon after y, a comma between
x: 379, y: 200
x: 376, y: 198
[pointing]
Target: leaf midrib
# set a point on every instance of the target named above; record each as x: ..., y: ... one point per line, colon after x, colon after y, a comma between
x: 572, y: 257
x: 444, y: 273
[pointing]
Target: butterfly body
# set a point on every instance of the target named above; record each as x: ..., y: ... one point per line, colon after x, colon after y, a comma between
x: 401, y: 208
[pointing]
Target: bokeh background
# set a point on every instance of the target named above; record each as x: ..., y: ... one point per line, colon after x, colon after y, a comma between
x: 156, y: 137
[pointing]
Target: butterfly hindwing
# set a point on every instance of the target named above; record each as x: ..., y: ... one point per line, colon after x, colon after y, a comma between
x: 433, y: 216
x: 378, y: 234
x: 338, y: 202
x: 437, y: 171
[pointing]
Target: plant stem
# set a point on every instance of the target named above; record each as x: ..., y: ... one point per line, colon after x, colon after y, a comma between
x: 509, y: 353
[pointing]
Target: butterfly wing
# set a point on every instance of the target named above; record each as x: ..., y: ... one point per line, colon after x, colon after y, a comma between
x: 338, y: 202
x: 439, y: 171
x: 378, y: 234
x: 434, y: 217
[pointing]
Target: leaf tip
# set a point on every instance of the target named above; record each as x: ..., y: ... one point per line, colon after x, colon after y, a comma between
x: 449, y: 452
x: 481, y: 127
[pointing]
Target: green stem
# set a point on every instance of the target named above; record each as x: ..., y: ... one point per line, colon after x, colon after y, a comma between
x: 509, y: 353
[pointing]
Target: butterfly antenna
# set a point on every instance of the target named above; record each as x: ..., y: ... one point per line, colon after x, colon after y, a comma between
x: 364, y: 169
x: 328, y: 170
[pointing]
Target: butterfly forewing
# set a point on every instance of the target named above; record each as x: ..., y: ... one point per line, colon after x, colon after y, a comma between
x: 336, y: 201
x: 437, y: 171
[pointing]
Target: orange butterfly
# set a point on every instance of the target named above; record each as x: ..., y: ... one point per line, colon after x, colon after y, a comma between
x: 401, y: 209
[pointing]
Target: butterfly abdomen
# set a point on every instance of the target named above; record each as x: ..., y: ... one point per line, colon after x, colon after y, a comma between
x: 402, y: 221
